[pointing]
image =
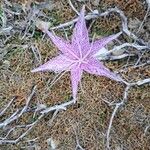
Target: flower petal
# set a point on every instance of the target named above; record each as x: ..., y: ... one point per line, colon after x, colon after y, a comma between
x: 75, y: 78
x: 98, y: 44
x: 97, y: 68
x: 80, y: 39
x: 57, y: 64
x: 64, y: 46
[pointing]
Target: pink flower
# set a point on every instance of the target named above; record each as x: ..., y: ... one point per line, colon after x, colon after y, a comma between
x: 78, y: 55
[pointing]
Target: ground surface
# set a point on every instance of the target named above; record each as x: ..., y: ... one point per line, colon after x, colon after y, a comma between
x: 89, y: 118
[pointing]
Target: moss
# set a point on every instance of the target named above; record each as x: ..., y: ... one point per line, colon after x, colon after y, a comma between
x: 55, y: 18
x: 13, y: 53
x: 37, y: 35
x: 100, y: 32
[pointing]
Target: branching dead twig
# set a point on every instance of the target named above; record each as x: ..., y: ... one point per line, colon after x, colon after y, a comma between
x: 56, y: 109
x: 5, y: 141
x: 146, y: 15
x: 96, y: 15
x: 73, y: 8
x: 108, y: 55
x: 146, y: 129
x: 118, y: 105
x: 78, y: 146
x: 8, y: 105
x: 17, y: 115
x: 110, y: 124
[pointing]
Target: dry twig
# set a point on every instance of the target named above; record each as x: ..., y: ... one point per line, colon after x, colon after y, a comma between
x: 118, y: 105
x: 56, y: 109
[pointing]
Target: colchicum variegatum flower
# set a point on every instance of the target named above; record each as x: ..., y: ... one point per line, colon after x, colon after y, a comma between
x: 78, y: 55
